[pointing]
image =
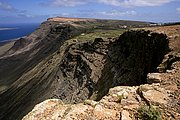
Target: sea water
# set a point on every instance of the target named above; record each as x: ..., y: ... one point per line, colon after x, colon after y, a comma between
x: 16, y: 30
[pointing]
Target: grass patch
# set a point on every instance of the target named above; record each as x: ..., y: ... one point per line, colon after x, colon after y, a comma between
x: 99, y: 34
x: 149, y: 113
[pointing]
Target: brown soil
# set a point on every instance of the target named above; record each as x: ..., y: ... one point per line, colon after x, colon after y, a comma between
x: 63, y: 19
x: 173, y: 32
x: 4, y: 48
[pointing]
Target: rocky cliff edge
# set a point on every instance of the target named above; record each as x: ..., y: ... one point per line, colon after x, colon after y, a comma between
x: 157, y: 99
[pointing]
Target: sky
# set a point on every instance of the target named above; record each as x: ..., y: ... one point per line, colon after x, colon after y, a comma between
x: 36, y: 11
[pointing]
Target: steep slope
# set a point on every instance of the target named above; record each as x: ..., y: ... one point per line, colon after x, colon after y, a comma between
x: 29, y: 51
x: 157, y: 101
x: 126, y: 61
x: 131, y: 58
x: 45, y: 65
x: 24, y: 56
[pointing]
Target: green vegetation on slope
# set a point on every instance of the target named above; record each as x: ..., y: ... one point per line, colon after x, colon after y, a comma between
x: 149, y: 113
x: 99, y: 34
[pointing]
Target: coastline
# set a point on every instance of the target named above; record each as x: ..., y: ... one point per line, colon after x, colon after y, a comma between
x: 5, y: 45
x: 3, y: 42
x: 10, y: 32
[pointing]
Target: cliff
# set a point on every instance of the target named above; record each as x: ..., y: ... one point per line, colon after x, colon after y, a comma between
x: 71, y: 60
x: 129, y: 61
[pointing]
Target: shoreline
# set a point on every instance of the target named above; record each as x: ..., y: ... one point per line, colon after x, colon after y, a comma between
x: 3, y: 42
x: 8, y: 40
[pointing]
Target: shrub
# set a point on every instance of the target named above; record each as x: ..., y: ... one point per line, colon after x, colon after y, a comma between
x: 149, y: 113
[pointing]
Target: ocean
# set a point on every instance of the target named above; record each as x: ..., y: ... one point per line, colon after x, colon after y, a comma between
x: 19, y: 30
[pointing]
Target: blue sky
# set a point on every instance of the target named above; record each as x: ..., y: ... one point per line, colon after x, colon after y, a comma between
x: 28, y: 11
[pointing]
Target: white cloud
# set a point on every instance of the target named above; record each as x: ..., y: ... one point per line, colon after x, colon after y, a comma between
x: 6, y: 7
x: 14, y: 12
x: 116, y: 13
x: 68, y: 3
x: 130, y: 3
x: 111, y: 2
x: 178, y: 10
x: 113, y: 14
x: 125, y: 3
x: 24, y: 14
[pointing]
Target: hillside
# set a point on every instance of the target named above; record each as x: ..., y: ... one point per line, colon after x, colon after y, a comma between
x: 77, y: 59
x: 157, y: 99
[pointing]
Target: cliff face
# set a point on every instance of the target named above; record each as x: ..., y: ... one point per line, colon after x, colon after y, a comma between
x: 22, y: 64
x: 159, y: 99
x: 28, y: 52
x: 131, y: 57
x: 53, y: 63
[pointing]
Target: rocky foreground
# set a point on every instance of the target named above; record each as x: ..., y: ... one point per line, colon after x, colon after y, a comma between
x: 122, y: 102
x: 90, y: 69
